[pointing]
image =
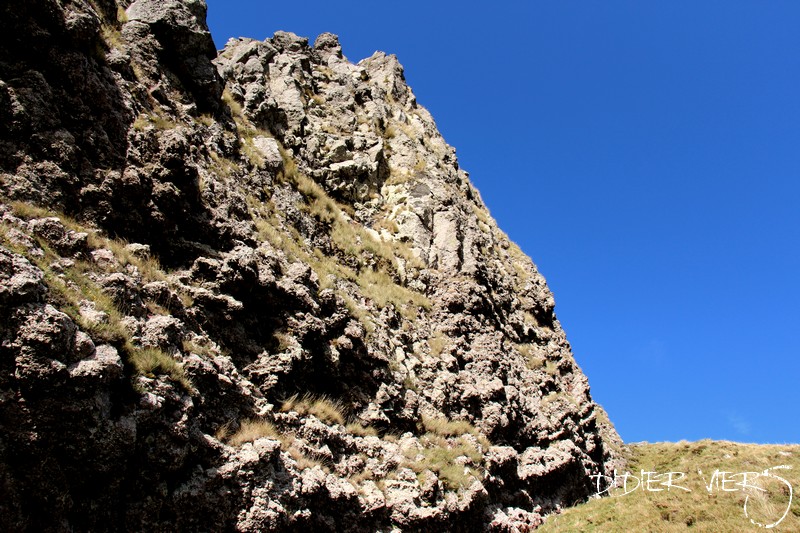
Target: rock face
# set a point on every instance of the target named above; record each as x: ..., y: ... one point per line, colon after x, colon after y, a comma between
x: 254, y: 291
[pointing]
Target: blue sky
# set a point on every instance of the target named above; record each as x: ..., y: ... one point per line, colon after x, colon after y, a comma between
x: 646, y: 155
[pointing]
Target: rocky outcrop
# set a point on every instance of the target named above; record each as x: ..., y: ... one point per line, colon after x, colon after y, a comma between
x: 254, y: 291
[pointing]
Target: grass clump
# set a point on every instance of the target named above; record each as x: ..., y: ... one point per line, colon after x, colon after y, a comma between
x: 382, y: 289
x: 359, y: 313
x: 529, y: 319
x: 362, y: 476
x: 303, y: 459
x: 112, y: 36
x: 551, y: 368
x: 449, y: 428
x: 246, y: 131
x: 533, y: 359
x: 447, y: 462
x: 233, y: 105
x: 283, y: 341
x: 249, y: 431
x: 247, y: 137
x: 387, y: 224
x: 145, y: 121
x: 350, y: 240
x: 28, y: 211
x: 481, y: 213
x: 354, y: 241
x: 270, y: 229
x: 329, y: 411
x: 329, y: 270
x: 203, y: 350
x: 76, y: 287
x: 149, y: 361
x: 319, y: 204
x: 222, y: 167
x: 359, y: 430
x: 355, y: 254
x: 437, y: 343
x: 252, y: 154
x: 148, y: 267
x: 453, y: 450
x: 205, y: 119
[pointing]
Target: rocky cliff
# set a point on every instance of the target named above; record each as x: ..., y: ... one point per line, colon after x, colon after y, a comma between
x: 253, y: 290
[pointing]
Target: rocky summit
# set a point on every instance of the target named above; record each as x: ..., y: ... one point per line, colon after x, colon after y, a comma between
x: 252, y: 290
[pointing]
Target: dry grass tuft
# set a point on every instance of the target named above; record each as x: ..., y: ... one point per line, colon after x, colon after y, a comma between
x: 203, y: 350
x: 449, y: 428
x: 157, y: 121
x: 437, y: 344
x: 372, y: 263
x: 361, y: 431
x: 453, y: 450
x: 149, y: 361
x: 249, y: 431
x: 533, y: 358
x: 223, y: 167
x: 325, y: 409
x: 384, y: 291
x: 233, y: 105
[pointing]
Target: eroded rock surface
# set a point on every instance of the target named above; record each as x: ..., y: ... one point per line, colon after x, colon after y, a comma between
x: 254, y: 291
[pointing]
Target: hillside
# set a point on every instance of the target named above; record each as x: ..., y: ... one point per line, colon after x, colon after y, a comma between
x: 252, y: 290
x: 715, y: 503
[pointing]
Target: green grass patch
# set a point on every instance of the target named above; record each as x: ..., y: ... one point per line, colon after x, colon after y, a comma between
x: 719, y: 509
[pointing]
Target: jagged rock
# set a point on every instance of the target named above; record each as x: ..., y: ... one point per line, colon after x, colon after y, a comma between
x: 46, y: 331
x: 140, y: 250
x: 125, y: 292
x: 514, y: 520
x: 103, y: 366
x: 104, y: 258
x: 270, y: 151
x: 20, y: 281
x: 162, y: 332
x: 339, y: 336
x: 185, y: 42
x: 64, y: 241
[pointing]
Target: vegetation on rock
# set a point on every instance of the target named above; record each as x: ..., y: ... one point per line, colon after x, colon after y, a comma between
x: 253, y: 290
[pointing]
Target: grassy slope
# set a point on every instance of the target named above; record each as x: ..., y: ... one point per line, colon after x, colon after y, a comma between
x: 698, y: 510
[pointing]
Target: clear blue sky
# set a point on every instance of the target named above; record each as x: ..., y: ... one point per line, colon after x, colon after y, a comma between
x: 646, y: 155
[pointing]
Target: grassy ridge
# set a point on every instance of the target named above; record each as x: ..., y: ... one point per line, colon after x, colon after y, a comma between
x: 719, y: 509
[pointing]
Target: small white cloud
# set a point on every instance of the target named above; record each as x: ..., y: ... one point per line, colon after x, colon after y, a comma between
x: 741, y: 425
